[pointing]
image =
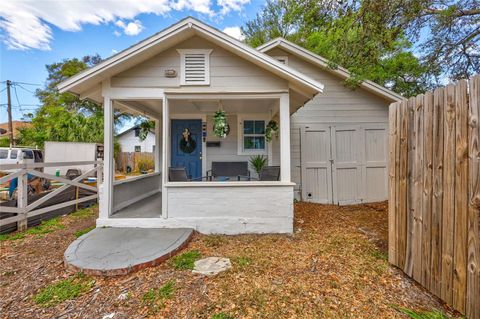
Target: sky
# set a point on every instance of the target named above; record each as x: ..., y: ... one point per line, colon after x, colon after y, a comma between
x: 34, y: 33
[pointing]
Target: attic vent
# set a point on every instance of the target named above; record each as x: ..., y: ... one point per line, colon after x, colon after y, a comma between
x: 281, y: 59
x: 195, y: 67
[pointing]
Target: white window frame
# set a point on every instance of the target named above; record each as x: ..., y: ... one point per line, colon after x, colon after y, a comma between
x: 240, y: 149
x: 184, y: 52
x: 281, y: 57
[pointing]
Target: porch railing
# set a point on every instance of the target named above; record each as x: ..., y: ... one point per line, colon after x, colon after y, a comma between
x: 24, y: 210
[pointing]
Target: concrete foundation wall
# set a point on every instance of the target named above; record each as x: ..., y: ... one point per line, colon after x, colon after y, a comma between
x: 221, y: 210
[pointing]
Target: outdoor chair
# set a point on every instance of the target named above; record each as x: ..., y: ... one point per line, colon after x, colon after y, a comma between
x: 225, y: 170
x: 270, y: 173
x: 179, y: 174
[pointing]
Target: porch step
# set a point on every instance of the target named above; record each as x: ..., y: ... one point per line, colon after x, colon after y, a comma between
x: 119, y: 251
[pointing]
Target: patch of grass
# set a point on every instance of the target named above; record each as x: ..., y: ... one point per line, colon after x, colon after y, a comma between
x: 214, y: 240
x: 12, y: 236
x: 84, y: 212
x: 62, y: 290
x: 186, y: 260
x: 242, y: 261
x: 155, y: 298
x: 46, y: 227
x: 221, y: 315
x: 421, y: 314
x: 378, y: 254
x: 83, y: 231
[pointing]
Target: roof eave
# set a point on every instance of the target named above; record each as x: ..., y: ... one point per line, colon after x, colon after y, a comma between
x: 322, y: 62
x: 312, y: 86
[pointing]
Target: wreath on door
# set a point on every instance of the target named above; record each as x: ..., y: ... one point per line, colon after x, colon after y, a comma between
x: 187, y: 144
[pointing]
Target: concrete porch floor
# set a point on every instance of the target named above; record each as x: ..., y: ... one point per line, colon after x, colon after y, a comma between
x: 150, y: 207
x: 119, y: 251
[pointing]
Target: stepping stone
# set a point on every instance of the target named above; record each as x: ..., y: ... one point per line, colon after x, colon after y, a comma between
x: 211, y: 266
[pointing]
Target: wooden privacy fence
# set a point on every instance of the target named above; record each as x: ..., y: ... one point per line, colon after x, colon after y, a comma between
x: 134, y: 160
x: 434, y: 192
x: 24, y: 209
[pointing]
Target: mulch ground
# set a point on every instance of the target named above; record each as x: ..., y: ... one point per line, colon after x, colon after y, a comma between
x: 333, y: 266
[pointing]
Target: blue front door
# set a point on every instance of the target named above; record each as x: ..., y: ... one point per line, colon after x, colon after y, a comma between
x: 186, y: 146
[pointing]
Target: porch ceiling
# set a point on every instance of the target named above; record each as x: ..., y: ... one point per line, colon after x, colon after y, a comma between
x: 153, y: 108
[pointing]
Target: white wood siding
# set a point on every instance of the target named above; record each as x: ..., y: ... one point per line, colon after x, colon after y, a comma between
x: 128, y: 142
x: 227, y: 71
x: 337, y: 105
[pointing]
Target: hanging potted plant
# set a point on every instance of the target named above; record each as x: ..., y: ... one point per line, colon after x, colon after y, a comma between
x: 220, y: 126
x: 272, y: 128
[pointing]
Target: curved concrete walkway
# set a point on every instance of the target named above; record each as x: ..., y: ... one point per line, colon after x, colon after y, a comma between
x: 119, y: 251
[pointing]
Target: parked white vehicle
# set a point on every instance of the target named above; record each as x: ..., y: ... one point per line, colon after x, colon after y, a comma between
x: 16, y: 155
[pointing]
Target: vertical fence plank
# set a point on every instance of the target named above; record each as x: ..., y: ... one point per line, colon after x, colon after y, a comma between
x: 437, y: 201
x: 417, y: 172
x: 403, y: 167
x: 461, y: 197
x: 427, y: 189
x: 392, y: 142
x: 473, y: 219
x: 448, y: 219
x: 397, y: 204
x: 411, y: 133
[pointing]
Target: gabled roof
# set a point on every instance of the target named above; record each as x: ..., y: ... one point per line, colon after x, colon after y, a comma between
x: 315, y: 59
x: 131, y: 129
x: 172, y: 36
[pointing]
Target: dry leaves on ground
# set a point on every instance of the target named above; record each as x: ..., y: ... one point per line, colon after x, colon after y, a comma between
x: 333, y: 266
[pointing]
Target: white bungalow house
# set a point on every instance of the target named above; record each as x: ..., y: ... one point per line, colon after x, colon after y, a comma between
x: 181, y: 76
x: 130, y: 141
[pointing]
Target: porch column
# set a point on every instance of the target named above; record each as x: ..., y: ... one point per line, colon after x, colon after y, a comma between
x: 285, y: 138
x: 106, y: 200
x: 165, y: 149
x: 158, y: 148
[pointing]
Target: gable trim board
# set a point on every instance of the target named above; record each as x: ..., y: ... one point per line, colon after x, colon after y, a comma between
x: 173, y: 35
x: 323, y: 63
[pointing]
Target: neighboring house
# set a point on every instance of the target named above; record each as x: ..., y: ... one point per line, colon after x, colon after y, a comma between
x: 181, y: 76
x: 130, y: 141
x: 5, y: 133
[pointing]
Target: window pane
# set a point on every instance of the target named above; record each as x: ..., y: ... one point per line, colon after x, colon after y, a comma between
x: 3, y: 154
x: 13, y: 154
x: 248, y: 127
x: 27, y: 154
x: 259, y: 127
x: 138, y: 148
x: 254, y: 143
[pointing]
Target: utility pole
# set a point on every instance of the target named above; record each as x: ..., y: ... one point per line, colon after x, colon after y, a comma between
x: 10, y: 124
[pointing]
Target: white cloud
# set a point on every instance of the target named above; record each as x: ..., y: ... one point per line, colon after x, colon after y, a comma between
x: 231, y: 5
x: 25, y: 24
x: 235, y: 32
x: 131, y: 28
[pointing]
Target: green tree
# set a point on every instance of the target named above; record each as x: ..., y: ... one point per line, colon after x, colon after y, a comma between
x: 63, y: 116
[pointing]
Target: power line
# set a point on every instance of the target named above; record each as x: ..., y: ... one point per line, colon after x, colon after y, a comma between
x: 24, y: 88
x: 25, y: 83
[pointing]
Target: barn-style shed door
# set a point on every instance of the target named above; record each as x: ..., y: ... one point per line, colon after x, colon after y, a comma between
x: 344, y: 164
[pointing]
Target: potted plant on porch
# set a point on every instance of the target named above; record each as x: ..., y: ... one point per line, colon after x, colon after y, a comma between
x: 258, y: 162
